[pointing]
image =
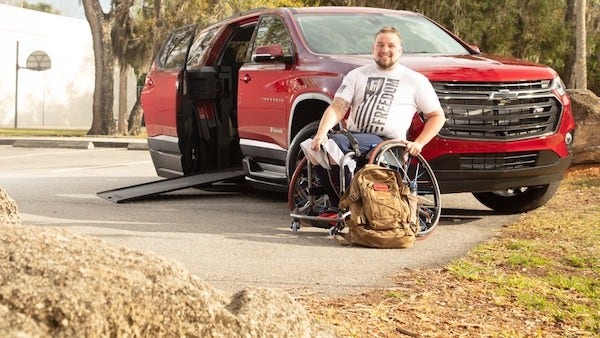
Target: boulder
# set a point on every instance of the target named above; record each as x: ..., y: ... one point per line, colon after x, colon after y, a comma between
x: 586, y: 110
x: 54, y: 283
x: 9, y: 213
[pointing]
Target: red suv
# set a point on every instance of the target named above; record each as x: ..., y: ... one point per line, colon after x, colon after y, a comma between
x: 244, y: 92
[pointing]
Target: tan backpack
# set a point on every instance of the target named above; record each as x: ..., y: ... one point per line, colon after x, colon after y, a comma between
x: 383, y: 212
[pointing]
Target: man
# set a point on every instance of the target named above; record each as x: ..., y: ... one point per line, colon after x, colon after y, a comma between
x: 383, y: 98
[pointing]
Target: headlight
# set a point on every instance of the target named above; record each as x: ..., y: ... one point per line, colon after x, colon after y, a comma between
x: 559, y: 86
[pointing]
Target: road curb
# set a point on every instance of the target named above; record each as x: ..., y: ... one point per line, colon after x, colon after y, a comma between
x: 53, y: 144
x: 137, y: 146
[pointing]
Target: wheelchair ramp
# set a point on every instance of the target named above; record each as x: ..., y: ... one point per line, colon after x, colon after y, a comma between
x: 143, y: 190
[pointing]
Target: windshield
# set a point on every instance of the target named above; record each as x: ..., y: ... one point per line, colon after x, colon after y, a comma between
x: 336, y: 33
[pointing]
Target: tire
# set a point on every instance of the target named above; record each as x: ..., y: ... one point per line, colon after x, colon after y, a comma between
x: 517, y: 200
x: 299, y: 195
x: 295, y: 154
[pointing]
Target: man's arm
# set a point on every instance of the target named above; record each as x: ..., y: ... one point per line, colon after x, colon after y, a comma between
x: 332, y: 115
x: 434, y: 121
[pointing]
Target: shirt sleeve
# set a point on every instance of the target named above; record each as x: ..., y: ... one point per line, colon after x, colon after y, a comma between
x: 347, y: 89
x: 425, y: 96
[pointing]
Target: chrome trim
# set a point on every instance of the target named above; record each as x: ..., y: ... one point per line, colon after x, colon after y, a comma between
x: 259, y: 144
x: 499, y: 111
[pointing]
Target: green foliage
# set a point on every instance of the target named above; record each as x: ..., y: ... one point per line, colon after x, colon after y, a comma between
x: 223, y: 9
x: 41, y: 7
x: 42, y: 132
x: 536, y: 30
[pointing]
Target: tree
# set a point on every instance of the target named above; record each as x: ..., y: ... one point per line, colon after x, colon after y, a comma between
x: 119, y: 42
x: 101, y: 25
x: 40, y: 7
x: 580, y: 45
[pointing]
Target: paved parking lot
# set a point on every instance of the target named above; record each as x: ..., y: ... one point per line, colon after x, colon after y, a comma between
x: 230, y: 239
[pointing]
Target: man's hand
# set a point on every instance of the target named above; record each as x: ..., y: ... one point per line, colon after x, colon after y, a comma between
x: 317, y: 141
x: 414, y: 148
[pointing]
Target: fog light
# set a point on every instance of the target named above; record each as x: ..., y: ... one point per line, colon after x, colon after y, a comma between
x: 569, y: 139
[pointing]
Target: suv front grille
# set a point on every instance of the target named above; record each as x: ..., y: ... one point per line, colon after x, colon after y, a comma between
x: 498, y: 111
x: 502, y: 161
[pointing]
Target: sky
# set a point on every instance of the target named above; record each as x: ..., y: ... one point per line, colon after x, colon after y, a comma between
x: 72, y: 8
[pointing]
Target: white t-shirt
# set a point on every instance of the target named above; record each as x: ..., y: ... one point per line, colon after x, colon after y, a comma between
x: 385, y: 101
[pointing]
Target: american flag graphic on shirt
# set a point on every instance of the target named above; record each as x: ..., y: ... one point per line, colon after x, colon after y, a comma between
x: 371, y: 115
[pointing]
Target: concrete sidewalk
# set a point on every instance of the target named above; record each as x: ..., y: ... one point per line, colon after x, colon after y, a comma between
x: 88, y: 142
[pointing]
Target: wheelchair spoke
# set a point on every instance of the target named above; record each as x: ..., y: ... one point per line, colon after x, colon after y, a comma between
x: 413, y: 169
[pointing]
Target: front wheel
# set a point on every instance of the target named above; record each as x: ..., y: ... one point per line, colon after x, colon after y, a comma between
x: 517, y: 200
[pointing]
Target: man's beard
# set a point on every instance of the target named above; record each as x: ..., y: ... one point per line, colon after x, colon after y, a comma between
x: 387, y: 65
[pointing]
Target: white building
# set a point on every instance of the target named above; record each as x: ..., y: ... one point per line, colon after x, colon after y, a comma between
x: 60, y: 97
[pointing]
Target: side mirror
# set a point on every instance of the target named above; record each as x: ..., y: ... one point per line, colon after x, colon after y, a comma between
x: 269, y: 53
x: 475, y: 48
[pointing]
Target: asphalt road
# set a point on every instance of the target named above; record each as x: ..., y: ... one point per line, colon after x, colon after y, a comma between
x: 229, y: 239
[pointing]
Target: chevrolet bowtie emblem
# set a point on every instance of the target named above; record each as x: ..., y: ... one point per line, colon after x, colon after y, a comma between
x: 503, y: 96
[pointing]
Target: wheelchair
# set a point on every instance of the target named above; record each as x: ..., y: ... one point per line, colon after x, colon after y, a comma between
x: 310, y: 206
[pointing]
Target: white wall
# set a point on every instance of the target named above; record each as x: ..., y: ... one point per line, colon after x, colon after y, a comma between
x: 60, y: 97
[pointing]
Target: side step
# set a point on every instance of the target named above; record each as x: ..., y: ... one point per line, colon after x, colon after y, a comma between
x: 139, y: 191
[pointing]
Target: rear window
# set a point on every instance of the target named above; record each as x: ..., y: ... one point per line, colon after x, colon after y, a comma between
x: 200, y: 47
x: 172, y: 55
x: 336, y: 33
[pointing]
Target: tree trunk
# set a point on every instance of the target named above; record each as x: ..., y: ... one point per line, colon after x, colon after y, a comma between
x: 122, y: 122
x: 581, y: 45
x: 102, y: 108
x: 135, y: 119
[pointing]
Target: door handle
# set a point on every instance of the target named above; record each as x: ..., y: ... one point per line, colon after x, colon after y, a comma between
x: 246, y: 78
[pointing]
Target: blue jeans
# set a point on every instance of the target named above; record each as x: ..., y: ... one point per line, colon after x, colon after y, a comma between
x: 365, y: 141
x: 330, y: 179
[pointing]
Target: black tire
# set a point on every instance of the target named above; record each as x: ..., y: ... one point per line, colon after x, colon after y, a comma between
x: 517, y: 200
x: 295, y: 154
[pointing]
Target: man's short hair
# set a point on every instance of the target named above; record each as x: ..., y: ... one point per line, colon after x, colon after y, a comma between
x: 389, y: 29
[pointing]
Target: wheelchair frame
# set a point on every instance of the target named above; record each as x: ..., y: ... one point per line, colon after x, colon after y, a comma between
x: 415, y: 172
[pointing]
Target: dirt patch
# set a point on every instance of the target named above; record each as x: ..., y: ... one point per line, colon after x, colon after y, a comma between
x: 442, y: 303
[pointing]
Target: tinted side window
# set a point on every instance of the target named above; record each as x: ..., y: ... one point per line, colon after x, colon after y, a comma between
x: 271, y: 31
x: 200, y: 47
x: 172, y: 55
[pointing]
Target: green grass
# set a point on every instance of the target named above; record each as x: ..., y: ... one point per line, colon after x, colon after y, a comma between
x: 41, y: 132
x: 548, y: 261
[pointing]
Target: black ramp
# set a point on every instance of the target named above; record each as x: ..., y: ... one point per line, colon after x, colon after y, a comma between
x: 139, y: 191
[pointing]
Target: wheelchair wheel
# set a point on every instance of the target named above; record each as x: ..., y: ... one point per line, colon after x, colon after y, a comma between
x: 307, y: 199
x: 415, y: 171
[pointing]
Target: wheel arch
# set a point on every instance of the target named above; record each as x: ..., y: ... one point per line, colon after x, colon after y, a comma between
x: 306, y: 109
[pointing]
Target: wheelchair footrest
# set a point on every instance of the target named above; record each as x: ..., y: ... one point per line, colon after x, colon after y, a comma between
x: 339, y: 217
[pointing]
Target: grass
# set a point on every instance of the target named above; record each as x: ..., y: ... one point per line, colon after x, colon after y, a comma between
x: 41, y: 132
x: 56, y: 132
x: 539, y: 278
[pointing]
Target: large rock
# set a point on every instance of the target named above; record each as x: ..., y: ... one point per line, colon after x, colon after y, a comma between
x: 9, y: 213
x: 54, y: 283
x: 586, y: 109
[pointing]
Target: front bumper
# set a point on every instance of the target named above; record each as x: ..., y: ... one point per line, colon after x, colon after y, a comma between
x: 468, y: 173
